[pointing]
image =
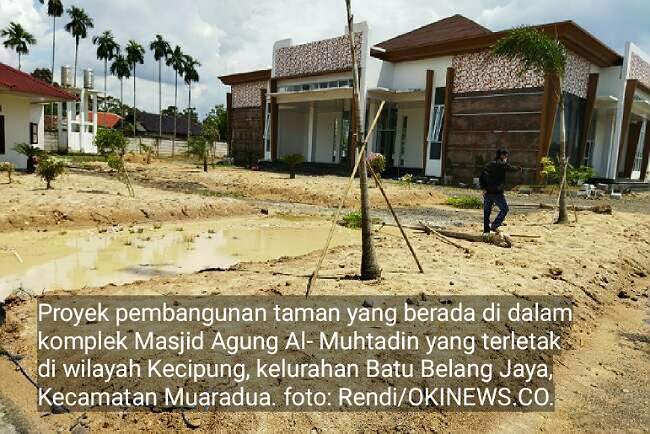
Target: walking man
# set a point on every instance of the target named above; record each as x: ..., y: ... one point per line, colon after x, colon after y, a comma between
x: 493, y: 182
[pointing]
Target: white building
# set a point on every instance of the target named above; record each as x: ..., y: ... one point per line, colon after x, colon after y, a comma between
x: 22, y: 99
x: 449, y: 103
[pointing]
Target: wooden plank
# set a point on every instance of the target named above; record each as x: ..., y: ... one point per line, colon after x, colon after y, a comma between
x: 592, y: 87
x: 274, y: 121
x: 428, y: 96
x: 502, y: 103
x: 446, y: 123
x: 547, y: 119
x: 646, y: 152
x: 511, y: 140
x: 496, y: 122
x: 630, y: 89
x: 632, y: 142
x: 229, y: 111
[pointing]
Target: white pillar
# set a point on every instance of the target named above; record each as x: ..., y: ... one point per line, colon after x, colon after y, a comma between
x: 68, y: 107
x: 310, y: 133
x: 82, y: 120
x: 94, y: 113
x: 59, y: 122
x: 372, y: 112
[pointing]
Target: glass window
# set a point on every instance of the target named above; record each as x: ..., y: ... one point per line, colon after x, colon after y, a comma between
x: 402, y: 140
x: 33, y: 133
x: 436, y: 123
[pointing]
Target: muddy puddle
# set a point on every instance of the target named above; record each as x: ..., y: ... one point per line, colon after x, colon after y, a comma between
x: 41, y: 261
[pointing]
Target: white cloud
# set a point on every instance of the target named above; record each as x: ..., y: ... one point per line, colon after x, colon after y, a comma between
x: 237, y: 35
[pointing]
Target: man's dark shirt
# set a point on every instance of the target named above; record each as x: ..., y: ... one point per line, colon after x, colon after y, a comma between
x: 495, y: 175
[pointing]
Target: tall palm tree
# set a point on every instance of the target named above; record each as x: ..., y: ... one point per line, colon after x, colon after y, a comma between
x: 54, y: 10
x: 18, y: 39
x: 161, y: 51
x: 176, y: 60
x: 134, y: 55
x: 539, y: 53
x: 107, y: 49
x: 191, y: 76
x: 78, y: 27
x: 121, y: 69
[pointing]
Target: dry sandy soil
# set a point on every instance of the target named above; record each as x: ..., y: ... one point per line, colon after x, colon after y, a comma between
x: 603, y: 373
x: 78, y: 200
x: 602, y: 380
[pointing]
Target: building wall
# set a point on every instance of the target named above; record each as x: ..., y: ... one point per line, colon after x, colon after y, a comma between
x: 412, y: 75
x: 481, y: 71
x: 483, y: 122
x: 316, y: 57
x: 639, y: 69
x: 326, y: 135
x: 246, y: 135
x: 292, y: 133
x: 414, y: 135
x: 18, y: 114
x: 247, y: 94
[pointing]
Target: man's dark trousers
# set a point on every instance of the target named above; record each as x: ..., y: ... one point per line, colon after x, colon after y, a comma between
x: 489, y: 200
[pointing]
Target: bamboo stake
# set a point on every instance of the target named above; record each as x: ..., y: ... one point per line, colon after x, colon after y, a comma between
x: 312, y: 280
x: 392, y: 211
x: 444, y: 238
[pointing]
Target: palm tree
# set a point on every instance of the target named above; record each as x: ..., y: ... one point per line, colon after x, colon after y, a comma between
x: 134, y: 55
x: 18, y: 39
x: 191, y: 76
x: 107, y: 49
x: 369, y: 266
x: 54, y: 10
x: 161, y: 50
x: 541, y: 54
x: 78, y: 27
x: 176, y: 60
x: 121, y: 69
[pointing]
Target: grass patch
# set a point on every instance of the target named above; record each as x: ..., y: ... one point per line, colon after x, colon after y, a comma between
x: 352, y: 220
x: 465, y: 202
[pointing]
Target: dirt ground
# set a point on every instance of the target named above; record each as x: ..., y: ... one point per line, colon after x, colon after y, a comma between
x: 602, y: 375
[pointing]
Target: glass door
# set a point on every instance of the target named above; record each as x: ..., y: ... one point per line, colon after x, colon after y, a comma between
x: 434, y: 140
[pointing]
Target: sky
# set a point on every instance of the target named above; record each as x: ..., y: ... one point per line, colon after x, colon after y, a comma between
x: 229, y: 36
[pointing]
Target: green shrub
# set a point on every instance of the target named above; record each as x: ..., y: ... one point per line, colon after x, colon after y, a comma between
x: 7, y: 167
x: 49, y: 169
x: 112, y: 145
x: 465, y: 202
x: 352, y: 220
x: 549, y: 171
x: 582, y: 173
x: 29, y: 151
x: 406, y: 179
x: 377, y: 162
x: 293, y: 160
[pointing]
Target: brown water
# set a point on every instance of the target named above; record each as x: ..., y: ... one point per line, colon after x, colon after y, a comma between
x: 90, y: 258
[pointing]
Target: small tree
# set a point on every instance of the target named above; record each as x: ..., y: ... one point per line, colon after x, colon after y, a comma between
x: 293, y: 160
x: 541, y: 54
x: 8, y: 168
x: 200, y: 148
x: 49, y: 168
x: 31, y: 152
x: 112, y: 145
x: 377, y: 162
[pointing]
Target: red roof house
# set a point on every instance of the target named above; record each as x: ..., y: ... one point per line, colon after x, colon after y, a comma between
x: 15, y: 81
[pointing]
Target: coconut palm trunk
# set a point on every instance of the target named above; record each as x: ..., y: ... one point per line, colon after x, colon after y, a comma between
x: 106, y: 84
x: 76, y: 53
x: 20, y: 67
x: 562, y: 212
x: 135, y: 110
x: 160, y: 99
x: 175, y: 113
x: 189, y: 113
x: 122, y: 101
x: 53, y: 45
x: 369, y: 267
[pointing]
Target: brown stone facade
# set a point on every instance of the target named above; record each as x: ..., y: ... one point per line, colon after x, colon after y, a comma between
x: 482, y: 122
x: 246, y: 131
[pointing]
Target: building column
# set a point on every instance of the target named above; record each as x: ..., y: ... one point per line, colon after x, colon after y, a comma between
x: 625, y: 108
x: 59, y: 122
x: 449, y: 89
x: 646, y: 151
x: 229, y: 124
x: 82, y: 120
x: 310, y: 133
x: 68, y: 107
x: 94, y: 113
x: 633, y: 137
x: 274, y: 120
x: 428, y: 100
x: 372, y: 112
x: 592, y: 87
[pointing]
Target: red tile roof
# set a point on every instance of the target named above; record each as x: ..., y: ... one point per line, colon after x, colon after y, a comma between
x: 18, y: 81
x: 105, y: 119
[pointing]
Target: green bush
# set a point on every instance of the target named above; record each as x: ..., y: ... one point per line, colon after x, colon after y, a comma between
x: 549, y: 171
x: 406, y: 179
x: 352, y: 220
x: 465, y: 202
x: 582, y: 173
x: 293, y: 160
x: 50, y: 168
x: 29, y: 151
x: 112, y: 145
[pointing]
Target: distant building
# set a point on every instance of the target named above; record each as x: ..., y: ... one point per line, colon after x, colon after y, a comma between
x: 22, y: 120
x: 149, y: 126
x: 449, y: 103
